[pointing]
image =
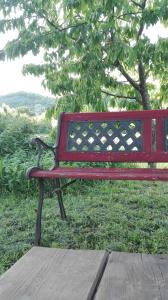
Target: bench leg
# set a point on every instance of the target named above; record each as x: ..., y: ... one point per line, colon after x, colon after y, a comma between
x: 60, y: 200
x: 39, y: 213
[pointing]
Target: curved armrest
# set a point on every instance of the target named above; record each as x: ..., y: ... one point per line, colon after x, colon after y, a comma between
x: 42, y: 146
x: 30, y: 170
x: 40, y: 143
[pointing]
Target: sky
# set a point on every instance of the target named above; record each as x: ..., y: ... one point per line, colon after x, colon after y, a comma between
x: 12, y: 79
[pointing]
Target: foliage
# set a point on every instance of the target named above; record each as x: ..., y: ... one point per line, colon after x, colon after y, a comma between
x: 120, y: 216
x: 16, y: 152
x: 96, y: 53
x: 15, y: 133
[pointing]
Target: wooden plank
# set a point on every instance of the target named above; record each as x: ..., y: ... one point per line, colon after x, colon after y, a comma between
x: 134, y: 277
x: 53, y: 274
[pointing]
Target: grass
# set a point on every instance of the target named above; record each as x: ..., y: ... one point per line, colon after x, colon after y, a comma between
x: 122, y: 216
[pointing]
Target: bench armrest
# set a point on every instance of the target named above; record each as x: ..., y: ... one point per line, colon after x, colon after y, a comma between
x: 41, y: 147
x: 40, y: 143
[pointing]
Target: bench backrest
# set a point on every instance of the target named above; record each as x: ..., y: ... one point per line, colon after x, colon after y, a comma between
x: 140, y: 136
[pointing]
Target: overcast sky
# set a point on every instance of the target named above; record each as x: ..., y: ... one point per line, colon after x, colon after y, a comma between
x: 12, y: 80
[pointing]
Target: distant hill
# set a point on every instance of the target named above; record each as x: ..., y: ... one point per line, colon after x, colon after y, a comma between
x: 35, y: 103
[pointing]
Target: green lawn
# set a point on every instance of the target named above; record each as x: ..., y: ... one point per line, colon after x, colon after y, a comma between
x: 122, y: 216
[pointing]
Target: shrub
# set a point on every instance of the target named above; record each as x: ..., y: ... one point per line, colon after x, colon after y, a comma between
x: 17, y: 153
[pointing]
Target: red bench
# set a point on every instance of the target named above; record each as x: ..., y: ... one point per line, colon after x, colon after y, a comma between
x: 133, y: 136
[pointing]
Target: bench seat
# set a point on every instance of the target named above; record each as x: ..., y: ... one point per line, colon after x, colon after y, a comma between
x: 103, y: 173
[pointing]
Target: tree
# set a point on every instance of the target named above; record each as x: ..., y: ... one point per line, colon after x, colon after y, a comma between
x: 96, y: 53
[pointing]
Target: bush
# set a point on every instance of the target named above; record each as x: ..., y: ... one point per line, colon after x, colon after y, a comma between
x: 16, y: 152
x: 15, y: 134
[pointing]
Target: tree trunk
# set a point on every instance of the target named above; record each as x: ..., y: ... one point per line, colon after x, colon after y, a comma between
x: 143, y: 87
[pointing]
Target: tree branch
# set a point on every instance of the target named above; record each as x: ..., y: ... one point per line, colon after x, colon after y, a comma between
x: 127, y: 76
x: 140, y: 31
x: 73, y: 26
x: 141, y: 23
x: 144, y: 4
x: 117, y: 96
x: 50, y: 23
x: 127, y: 14
x: 137, y: 4
x: 57, y: 28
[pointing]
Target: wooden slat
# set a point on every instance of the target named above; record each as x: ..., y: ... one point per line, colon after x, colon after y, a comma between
x: 53, y: 274
x: 134, y: 277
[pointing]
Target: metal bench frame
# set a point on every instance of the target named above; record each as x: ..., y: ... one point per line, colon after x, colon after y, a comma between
x: 132, y: 136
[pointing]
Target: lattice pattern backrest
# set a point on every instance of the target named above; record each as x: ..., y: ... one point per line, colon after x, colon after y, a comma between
x: 105, y: 136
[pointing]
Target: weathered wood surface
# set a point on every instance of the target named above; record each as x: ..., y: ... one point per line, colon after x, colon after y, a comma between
x: 57, y: 274
x: 134, y: 277
x: 53, y: 274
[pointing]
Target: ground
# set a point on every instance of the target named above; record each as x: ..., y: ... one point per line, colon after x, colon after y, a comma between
x: 123, y: 216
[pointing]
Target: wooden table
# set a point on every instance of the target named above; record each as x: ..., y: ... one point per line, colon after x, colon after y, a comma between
x: 58, y: 274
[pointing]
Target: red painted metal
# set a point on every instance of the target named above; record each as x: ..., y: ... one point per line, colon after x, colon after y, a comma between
x: 160, y: 135
x: 147, y: 136
x: 142, y: 114
x: 147, y: 155
x: 115, y: 157
x: 158, y: 154
x: 104, y: 173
